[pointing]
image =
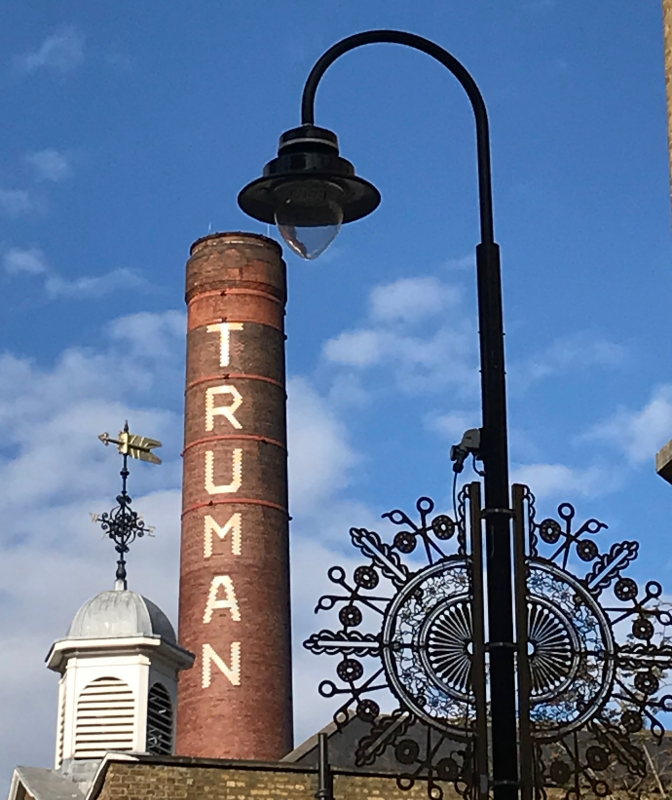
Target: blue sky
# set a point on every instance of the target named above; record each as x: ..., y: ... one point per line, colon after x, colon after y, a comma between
x: 129, y: 130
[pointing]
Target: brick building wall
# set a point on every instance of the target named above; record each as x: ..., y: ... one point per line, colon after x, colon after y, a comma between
x: 234, y: 609
x: 225, y: 781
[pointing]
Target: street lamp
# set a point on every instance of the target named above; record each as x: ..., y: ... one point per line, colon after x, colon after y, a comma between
x: 309, y: 191
x: 583, y: 698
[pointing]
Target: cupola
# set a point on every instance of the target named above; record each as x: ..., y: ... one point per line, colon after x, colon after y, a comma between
x: 119, y: 666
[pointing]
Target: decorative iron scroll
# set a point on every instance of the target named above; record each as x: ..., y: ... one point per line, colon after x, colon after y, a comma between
x: 595, y: 650
x: 599, y: 653
x: 123, y: 525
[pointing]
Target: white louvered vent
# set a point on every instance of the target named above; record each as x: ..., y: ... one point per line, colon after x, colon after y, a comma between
x: 105, y: 718
x: 159, y: 721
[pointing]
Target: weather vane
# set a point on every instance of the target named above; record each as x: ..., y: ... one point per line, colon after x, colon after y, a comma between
x: 122, y: 524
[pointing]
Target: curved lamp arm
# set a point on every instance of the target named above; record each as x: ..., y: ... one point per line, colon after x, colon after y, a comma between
x: 448, y: 61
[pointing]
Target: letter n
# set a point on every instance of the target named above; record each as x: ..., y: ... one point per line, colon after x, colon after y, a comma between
x: 231, y: 673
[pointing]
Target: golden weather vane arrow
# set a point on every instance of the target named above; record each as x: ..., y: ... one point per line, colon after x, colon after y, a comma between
x: 131, y: 444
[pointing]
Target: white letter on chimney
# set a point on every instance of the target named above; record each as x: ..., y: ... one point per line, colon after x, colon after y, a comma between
x: 237, y: 473
x: 232, y: 673
x: 224, y: 340
x: 229, y: 602
x: 211, y: 410
x: 234, y: 525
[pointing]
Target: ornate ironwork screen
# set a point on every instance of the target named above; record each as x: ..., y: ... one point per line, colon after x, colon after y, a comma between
x: 593, y: 652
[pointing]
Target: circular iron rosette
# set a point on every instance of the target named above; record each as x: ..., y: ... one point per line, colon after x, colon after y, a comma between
x: 427, y: 650
x: 571, y: 652
x: 427, y: 646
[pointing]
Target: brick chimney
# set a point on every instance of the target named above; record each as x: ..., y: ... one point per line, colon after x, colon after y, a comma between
x: 234, y: 573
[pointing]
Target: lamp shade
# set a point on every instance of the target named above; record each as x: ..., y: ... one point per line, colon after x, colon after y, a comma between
x: 308, y: 179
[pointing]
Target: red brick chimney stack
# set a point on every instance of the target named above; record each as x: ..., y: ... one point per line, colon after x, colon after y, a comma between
x: 234, y: 574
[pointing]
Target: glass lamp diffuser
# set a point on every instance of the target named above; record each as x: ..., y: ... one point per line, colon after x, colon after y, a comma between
x: 309, y: 191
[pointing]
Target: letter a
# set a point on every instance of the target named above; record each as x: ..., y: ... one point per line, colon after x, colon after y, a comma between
x: 231, y: 673
x: 237, y: 473
x: 229, y: 602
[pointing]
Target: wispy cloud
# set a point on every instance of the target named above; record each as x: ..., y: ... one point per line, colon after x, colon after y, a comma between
x: 149, y: 336
x: 32, y: 261
x: 93, y: 285
x: 555, y: 480
x: 639, y: 434
x: 467, y: 262
x: 14, y: 202
x: 49, y: 165
x: 581, y: 350
x: 61, y: 52
x: 409, y: 330
x: 321, y: 455
x: 451, y: 426
x: 412, y: 299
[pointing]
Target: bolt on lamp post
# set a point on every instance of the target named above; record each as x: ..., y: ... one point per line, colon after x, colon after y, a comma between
x: 309, y: 191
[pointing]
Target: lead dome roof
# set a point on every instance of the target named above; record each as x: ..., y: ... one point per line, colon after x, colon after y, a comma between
x: 120, y: 612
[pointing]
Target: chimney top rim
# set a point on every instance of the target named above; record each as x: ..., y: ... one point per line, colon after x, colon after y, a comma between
x: 234, y: 237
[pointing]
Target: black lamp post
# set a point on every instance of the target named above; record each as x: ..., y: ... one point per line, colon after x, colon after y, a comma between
x: 309, y: 191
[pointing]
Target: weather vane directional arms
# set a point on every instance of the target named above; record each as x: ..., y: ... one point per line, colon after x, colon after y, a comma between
x: 131, y: 444
x: 123, y: 524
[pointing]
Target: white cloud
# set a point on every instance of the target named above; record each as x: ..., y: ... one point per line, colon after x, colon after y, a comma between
x: 553, y: 480
x: 445, y: 357
x: 362, y: 348
x: 639, y: 434
x: 453, y: 425
x: 441, y: 353
x: 49, y: 165
x: 150, y: 335
x: 467, y: 262
x: 92, y: 285
x: 567, y: 354
x: 320, y: 456
x: 14, y: 202
x: 411, y: 299
x: 30, y: 260
x: 61, y: 51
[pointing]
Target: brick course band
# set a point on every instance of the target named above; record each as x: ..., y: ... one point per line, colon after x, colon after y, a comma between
x: 236, y: 437
x: 252, y: 292
x: 233, y: 376
x: 235, y: 501
x: 236, y: 701
x: 203, y: 315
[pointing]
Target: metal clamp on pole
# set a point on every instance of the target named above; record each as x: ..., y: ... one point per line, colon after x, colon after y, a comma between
x: 507, y: 512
